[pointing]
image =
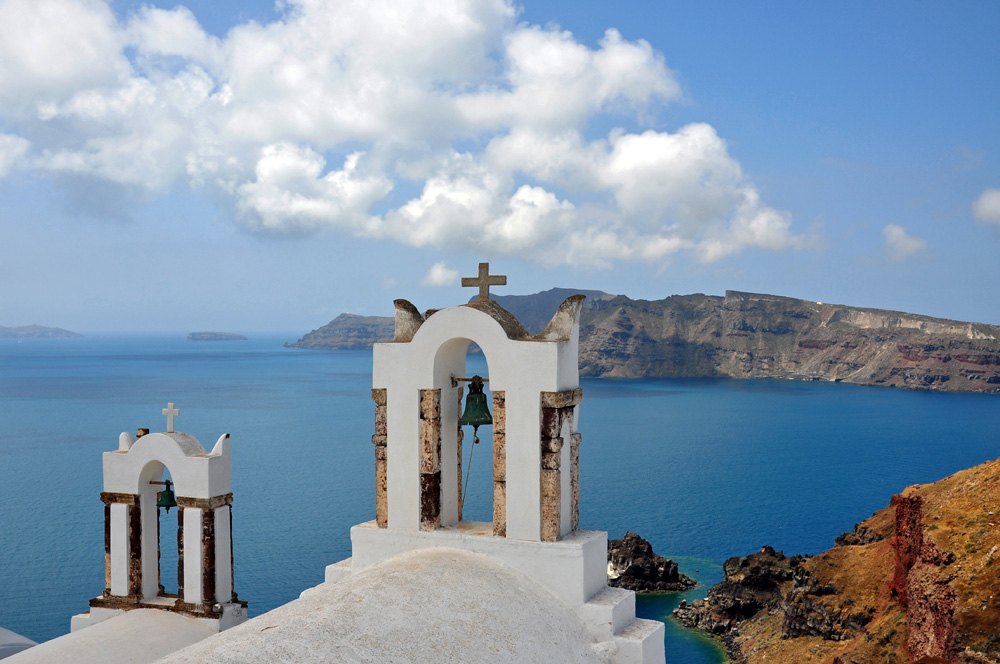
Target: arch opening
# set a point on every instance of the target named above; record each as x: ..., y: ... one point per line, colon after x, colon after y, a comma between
x: 467, y: 475
x: 161, y: 536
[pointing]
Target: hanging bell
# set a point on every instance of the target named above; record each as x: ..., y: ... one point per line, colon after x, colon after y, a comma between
x: 166, y: 497
x: 476, y: 411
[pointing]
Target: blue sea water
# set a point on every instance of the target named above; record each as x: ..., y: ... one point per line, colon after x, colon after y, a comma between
x: 704, y: 469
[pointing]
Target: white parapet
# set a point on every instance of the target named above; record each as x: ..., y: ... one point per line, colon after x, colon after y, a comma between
x: 574, y: 569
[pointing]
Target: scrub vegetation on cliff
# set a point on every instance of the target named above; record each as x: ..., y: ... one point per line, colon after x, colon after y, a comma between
x: 919, y: 581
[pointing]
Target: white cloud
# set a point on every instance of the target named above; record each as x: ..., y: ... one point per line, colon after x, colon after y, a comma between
x: 987, y: 206
x: 12, y: 149
x: 306, y: 124
x: 440, y: 275
x: 900, y: 245
x: 290, y: 193
x: 50, y: 49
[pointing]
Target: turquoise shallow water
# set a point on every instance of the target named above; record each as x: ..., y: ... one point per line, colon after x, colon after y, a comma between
x: 704, y: 469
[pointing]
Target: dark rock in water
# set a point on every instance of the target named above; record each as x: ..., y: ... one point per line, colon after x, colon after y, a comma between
x: 633, y: 565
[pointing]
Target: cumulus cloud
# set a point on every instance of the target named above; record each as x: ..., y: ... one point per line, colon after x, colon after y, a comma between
x: 308, y: 123
x: 900, y: 245
x: 12, y: 148
x: 440, y: 275
x: 987, y: 206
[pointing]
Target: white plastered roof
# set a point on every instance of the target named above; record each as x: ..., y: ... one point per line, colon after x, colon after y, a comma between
x: 436, y: 605
x: 135, y: 637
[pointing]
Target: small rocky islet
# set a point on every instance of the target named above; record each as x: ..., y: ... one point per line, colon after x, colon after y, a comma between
x: 633, y: 565
x: 215, y: 336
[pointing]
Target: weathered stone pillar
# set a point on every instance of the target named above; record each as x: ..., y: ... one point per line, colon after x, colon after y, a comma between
x: 208, y: 557
x: 557, y: 411
x: 135, y: 550
x: 381, y: 459
x: 205, y: 583
x: 107, y: 547
x: 430, y: 459
x: 180, y: 554
x: 575, y: 478
x: 122, y: 543
x: 499, y: 464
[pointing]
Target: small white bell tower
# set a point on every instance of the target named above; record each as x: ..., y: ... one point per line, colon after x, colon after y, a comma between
x: 201, y: 482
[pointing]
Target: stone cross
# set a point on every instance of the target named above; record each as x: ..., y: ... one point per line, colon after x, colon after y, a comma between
x: 484, y: 281
x: 170, y: 411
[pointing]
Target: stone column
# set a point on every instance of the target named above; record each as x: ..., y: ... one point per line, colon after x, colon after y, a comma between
x: 207, y: 572
x: 575, y: 479
x: 557, y: 411
x: 192, y: 518
x: 122, y: 544
x: 223, y: 576
x: 180, y: 554
x: 499, y: 464
x: 107, y: 548
x: 381, y: 459
x: 430, y: 459
x: 208, y: 557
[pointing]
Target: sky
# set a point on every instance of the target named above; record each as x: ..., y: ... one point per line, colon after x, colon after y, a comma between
x: 258, y: 166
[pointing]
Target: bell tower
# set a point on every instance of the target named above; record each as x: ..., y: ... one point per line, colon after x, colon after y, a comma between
x: 419, y: 379
x: 134, y: 492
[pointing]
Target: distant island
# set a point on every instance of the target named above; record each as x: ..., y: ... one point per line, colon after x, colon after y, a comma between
x: 36, y: 332
x: 215, y: 336
x: 742, y: 335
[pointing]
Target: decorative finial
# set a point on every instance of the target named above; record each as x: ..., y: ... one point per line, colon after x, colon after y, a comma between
x: 484, y: 281
x: 170, y: 411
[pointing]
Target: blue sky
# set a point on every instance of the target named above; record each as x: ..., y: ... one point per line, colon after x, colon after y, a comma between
x: 248, y: 166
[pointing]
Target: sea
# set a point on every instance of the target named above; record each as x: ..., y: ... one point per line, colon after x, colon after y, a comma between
x: 703, y: 469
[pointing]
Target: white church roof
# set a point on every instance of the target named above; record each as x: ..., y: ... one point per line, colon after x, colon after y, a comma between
x: 134, y: 637
x: 436, y: 605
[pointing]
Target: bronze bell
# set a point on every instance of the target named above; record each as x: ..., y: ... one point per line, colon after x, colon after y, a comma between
x: 166, y: 497
x: 477, y: 413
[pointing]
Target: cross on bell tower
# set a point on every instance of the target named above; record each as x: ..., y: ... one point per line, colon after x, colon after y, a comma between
x: 484, y: 281
x: 170, y: 411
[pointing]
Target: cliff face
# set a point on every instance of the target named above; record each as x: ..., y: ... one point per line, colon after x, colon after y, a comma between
x: 348, y: 332
x: 919, y: 581
x: 744, y: 335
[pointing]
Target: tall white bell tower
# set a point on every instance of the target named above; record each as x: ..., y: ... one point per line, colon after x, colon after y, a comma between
x: 418, y: 381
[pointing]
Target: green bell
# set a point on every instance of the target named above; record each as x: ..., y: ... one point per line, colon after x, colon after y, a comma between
x: 166, y: 498
x: 476, y: 411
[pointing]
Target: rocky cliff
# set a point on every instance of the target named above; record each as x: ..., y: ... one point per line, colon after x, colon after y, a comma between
x: 919, y: 581
x: 745, y: 335
x: 348, y: 332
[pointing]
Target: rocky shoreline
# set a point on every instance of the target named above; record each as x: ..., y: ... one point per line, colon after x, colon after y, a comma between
x: 916, y: 582
x: 633, y: 565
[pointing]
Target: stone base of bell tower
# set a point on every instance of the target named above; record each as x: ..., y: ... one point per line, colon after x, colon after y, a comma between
x: 574, y: 569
